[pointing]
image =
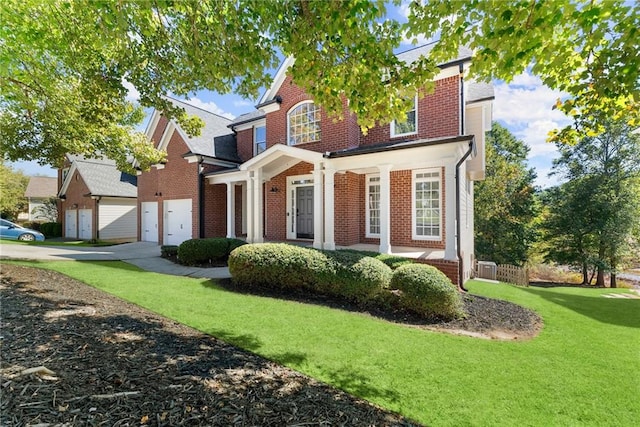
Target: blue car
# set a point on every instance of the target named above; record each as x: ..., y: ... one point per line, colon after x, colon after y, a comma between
x: 9, y: 230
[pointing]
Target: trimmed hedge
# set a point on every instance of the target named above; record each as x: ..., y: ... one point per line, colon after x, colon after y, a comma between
x: 51, y: 229
x: 283, y: 266
x: 426, y: 290
x: 202, y: 251
x: 393, y: 261
x: 168, y: 251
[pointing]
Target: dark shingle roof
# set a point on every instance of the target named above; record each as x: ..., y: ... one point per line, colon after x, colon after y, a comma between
x: 247, y: 117
x: 412, y: 55
x: 41, y: 187
x: 479, y: 91
x: 103, y: 179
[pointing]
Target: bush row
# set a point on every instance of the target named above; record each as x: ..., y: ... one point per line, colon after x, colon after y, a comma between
x: 51, y: 229
x: 352, y: 275
x: 210, y: 250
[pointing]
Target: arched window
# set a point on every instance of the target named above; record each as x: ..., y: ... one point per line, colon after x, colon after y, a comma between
x: 303, y: 123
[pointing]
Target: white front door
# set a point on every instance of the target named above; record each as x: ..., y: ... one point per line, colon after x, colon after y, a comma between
x: 70, y: 224
x: 149, y: 226
x: 177, y: 221
x: 84, y: 224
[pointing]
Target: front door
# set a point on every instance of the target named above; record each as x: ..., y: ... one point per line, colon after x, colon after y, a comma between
x: 304, y: 212
x: 149, y: 224
x: 84, y: 224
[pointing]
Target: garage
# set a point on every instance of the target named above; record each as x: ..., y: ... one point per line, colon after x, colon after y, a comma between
x: 149, y: 222
x: 118, y: 218
x: 70, y: 224
x: 85, y: 217
x: 177, y: 221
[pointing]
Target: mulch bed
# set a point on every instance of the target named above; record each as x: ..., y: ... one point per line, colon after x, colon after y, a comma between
x: 74, y: 355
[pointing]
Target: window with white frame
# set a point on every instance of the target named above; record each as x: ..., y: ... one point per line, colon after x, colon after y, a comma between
x: 259, y: 139
x: 373, y: 206
x: 427, y: 213
x: 410, y: 125
x: 303, y: 124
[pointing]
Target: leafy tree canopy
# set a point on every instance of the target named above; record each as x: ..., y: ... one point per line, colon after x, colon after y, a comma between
x: 12, y: 187
x: 66, y: 63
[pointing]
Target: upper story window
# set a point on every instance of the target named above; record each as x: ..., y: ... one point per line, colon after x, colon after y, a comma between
x: 303, y: 123
x: 259, y: 139
x: 410, y: 125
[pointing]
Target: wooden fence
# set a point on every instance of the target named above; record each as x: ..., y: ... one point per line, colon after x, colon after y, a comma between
x: 513, y: 274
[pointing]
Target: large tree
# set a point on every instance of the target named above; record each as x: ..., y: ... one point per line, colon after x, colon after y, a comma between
x: 505, y: 205
x: 12, y: 187
x: 597, y: 215
x: 66, y: 63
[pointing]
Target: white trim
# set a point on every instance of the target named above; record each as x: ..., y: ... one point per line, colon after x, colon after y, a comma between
x: 67, y: 180
x: 249, y: 125
x: 306, y: 101
x: 279, y: 78
x: 166, y: 136
x: 254, y: 144
x: 415, y: 172
x: 153, y: 123
x: 270, y: 108
x: 292, y: 232
x: 367, y: 209
x: 392, y: 125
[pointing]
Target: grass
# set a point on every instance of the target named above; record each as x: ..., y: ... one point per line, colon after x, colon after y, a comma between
x: 581, y: 370
x: 72, y: 243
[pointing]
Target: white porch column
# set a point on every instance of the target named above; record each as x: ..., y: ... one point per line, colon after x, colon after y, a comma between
x: 231, y: 210
x: 385, y: 208
x: 317, y: 207
x: 250, y: 208
x: 329, y: 209
x: 258, y: 202
x: 450, y: 210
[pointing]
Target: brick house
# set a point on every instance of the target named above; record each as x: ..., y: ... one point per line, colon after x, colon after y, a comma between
x: 39, y: 191
x: 174, y: 204
x: 97, y: 201
x: 404, y: 188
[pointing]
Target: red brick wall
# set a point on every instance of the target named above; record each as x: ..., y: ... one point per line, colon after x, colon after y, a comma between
x: 348, y: 208
x: 215, y: 211
x: 177, y: 180
x: 75, y: 195
x: 335, y: 134
x: 244, y: 140
x: 438, y: 115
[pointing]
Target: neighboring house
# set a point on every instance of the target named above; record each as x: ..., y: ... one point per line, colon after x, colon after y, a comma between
x: 173, y: 201
x: 404, y: 188
x: 39, y: 191
x: 97, y: 200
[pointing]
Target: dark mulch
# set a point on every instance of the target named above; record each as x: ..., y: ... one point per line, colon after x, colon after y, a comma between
x: 109, y: 362
x: 100, y: 361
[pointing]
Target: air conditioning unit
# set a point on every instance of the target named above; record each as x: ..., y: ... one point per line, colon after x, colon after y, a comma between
x: 487, y: 270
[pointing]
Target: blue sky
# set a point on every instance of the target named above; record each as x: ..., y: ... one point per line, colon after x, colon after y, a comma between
x: 523, y: 106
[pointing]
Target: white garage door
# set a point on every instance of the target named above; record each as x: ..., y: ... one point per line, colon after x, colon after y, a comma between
x: 70, y: 224
x: 118, y: 219
x: 177, y: 221
x: 149, y: 222
x: 84, y: 224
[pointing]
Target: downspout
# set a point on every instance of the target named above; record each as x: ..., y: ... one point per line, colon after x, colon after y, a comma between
x: 200, y: 199
x: 458, y: 215
x: 461, y: 68
x: 97, y: 218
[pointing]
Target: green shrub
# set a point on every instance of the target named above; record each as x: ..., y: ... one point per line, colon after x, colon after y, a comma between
x: 354, y: 276
x: 278, y: 266
x: 202, y: 251
x: 34, y: 225
x: 51, y: 229
x: 394, y: 261
x: 168, y: 251
x: 426, y: 290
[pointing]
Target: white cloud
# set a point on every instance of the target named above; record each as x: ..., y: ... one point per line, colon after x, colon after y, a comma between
x: 209, y: 106
x: 132, y: 93
x: 243, y: 103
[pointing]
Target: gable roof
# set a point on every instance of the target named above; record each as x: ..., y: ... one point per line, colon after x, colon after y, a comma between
x: 41, y: 187
x: 247, y: 118
x: 479, y: 91
x: 203, y: 144
x: 410, y: 56
x: 102, y: 178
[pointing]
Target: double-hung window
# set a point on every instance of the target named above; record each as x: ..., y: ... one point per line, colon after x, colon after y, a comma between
x: 373, y: 206
x: 408, y: 126
x: 427, y: 212
x: 259, y: 139
x: 303, y: 123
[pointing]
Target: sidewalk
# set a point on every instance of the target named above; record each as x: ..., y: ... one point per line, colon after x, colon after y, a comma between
x: 145, y: 255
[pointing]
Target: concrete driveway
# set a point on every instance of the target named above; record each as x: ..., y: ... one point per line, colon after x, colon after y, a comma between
x: 145, y: 255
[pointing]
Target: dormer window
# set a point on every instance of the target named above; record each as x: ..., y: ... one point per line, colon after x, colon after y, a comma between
x: 303, y: 123
x: 259, y: 139
x: 410, y: 125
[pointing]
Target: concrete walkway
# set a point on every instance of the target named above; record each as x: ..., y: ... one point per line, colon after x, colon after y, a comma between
x: 145, y: 255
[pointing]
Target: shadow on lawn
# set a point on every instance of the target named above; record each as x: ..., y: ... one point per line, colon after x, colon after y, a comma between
x: 97, y: 345
x: 614, y: 311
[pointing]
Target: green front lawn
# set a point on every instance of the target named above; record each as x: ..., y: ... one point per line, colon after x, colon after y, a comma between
x: 581, y: 371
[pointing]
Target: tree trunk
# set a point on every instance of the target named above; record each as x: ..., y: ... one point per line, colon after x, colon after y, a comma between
x: 600, y: 277
x: 613, y: 283
x: 585, y: 274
